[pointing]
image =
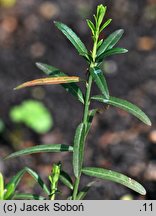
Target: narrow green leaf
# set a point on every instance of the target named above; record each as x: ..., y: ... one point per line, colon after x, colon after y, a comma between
x: 73, y: 89
x: 90, y: 119
x: 26, y: 196
x: 91, y: 26
x: 110, y: 41
x: 9, y: 192
x: 66, y: 180
x: 105, y: 24
x: 99, y: 43
x: 125, y: 105
x: 78, y: 149
x: 38, y: 179
x: 69, y: 87
x: 101, y: 10
x: 16, y: 179
x: 41, y: 148
x: 81, y: 195
x: 74, y: 39
x: 1, y: 186
x: 115, y: 177
x: 12, y: 184
x: 100, y: 81
x: 113, y: 51
x: 49, y: 70
x: 95, y: 18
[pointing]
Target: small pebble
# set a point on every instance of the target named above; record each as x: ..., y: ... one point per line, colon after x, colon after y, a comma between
x: 152, y: 136
x: 37, y: 50
x: 38, y: 93
x: 110, y: 67
x: 146, y: 43
x: 32, y: 22
x: 150, y: 173
x: 48, y: 10
x: 9, y: 24
x: 137, y: 169
x: 150, y: 12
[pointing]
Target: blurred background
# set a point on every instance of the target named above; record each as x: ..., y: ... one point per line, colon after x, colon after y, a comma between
x: 44, y: 115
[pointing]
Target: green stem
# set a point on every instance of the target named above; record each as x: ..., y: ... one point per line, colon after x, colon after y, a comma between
x: 76, y: 186
x: 87, y: 99
x: 52, y: 197
x: 86, y: 108
x: 85, y: 116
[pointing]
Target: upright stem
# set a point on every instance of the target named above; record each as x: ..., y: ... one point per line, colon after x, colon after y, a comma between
x: 87, y: 99
x: 89, y: 84
x: 76, y: 186
x: 86, y: 106
x: 52, y: 197
x: 85, y: 116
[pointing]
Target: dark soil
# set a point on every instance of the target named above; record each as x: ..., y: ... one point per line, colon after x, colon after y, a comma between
x: 117, y: 140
